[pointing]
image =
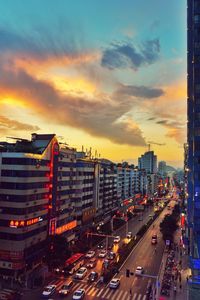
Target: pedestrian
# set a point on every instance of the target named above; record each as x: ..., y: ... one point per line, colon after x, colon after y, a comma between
x: 187, y: 278
x: 174, y: 289
x: 130, y: 292
x: 180, y: 286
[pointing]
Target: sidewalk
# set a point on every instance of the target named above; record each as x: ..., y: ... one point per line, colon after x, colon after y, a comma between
x: 181, y: 259
x: 183, y: 272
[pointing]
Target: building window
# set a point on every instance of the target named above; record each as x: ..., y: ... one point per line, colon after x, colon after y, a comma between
x: 196, y: 19
x: 197, y: 87
x: 197, y: 4
x: 197, y: 57
x: 197, y: 45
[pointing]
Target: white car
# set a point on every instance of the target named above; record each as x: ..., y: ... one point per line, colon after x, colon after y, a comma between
x: 90, y: 254
x: 102, y: 254
x: 81, y: 273
x: 116, y: 239
x: 48, y: 290
x: 79, y: 294
x: 114, y: 283
x: 139, y: 271
x: 129, y: 235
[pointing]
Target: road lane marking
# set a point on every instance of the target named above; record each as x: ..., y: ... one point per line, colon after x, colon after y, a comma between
x: 113, y: 297
x: 80, y: 285
x: 100, y: 292
x: 75, y: 286
x: 92, y: 289
x: 111, y: 294
x: 144, y: 297
x: 60, y: 284
x: 119, y: 295
x: 139, y: 297
x: 106, y: 292
x: 124, y: 296
x: 134, y: 296
x: 88, y: 288
x: 93, y: 294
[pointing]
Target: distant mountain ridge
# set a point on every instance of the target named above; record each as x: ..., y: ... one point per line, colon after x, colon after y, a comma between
x: 170, y: 169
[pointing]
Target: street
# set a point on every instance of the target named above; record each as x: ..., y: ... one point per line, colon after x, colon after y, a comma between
x: 143, y: 255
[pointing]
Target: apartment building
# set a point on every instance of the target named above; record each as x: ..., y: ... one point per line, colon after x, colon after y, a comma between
x: 36, y: 200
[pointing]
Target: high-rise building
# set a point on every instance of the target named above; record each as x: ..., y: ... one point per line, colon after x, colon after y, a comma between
x: 193, y: 101
x: 162, y: 168
x: 37, y: 199
x: 148, y: 162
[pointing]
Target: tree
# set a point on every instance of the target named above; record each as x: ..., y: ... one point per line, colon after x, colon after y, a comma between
x: 57, y: 251
x: 168, y: 226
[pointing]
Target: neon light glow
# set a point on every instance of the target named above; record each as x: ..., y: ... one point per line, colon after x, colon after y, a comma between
x: 66, y: 227
x: 22, y: 223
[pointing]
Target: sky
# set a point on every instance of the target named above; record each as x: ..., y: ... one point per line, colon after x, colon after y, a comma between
x: 110, y: 75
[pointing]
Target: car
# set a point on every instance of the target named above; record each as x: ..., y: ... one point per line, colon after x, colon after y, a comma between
x: 129, y: 235
x: 139, y: 270
x: 92, y: 263
x: 90, y: 254
x: 65, y: 289
x: 116, y: 239
x: 150, y: 216
x: 93, y: 276
x: 111, y: 255
x: 79, y: 294
x: 114, y: 283
x: 154, y: 239
x: 102, y: 253
x: 140, y: 219
x: 81, y: 273
x: 101, y: 245
x: 48, y: 290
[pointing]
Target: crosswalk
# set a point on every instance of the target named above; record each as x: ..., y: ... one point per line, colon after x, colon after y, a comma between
x: 100, y: 293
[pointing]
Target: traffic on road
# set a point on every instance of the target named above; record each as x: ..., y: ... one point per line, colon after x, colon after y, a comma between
x: 81, y: 275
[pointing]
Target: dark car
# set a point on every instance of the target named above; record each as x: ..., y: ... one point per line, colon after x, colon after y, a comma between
x: 101, y: 245
x: 93, y: 276
x: 92, y: 263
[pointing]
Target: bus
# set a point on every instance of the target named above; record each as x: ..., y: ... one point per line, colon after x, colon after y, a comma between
x: 73, y: 263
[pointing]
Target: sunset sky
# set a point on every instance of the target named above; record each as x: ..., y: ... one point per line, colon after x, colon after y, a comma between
x: 106, y: 74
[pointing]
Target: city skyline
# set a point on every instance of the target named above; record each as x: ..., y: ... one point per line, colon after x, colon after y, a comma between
x: 111, y: 76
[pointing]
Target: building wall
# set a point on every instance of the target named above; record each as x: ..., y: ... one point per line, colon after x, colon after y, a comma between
x: 193, y: 101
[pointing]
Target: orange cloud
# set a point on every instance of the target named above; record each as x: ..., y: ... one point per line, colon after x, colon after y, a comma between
x: 38, y: 67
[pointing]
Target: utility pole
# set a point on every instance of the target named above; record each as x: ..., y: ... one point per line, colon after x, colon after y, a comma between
x: 126, y: 227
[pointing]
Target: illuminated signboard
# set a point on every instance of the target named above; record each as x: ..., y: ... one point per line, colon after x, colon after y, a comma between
x: 52, y: 227
x: 22, y: 223
x: 195, y: 263
x: 182, y: 220
x: 66, y: 227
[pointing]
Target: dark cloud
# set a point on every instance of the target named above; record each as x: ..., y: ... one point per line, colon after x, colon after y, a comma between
x: 40, y: 43
x: 139, y: 91
x: 151, y: 119
x: 176, y: 129
x: 171, y: 123
x: 126, y: 55
x: 7, y: 124
x: 162, y: 122
x: 98, y: 117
